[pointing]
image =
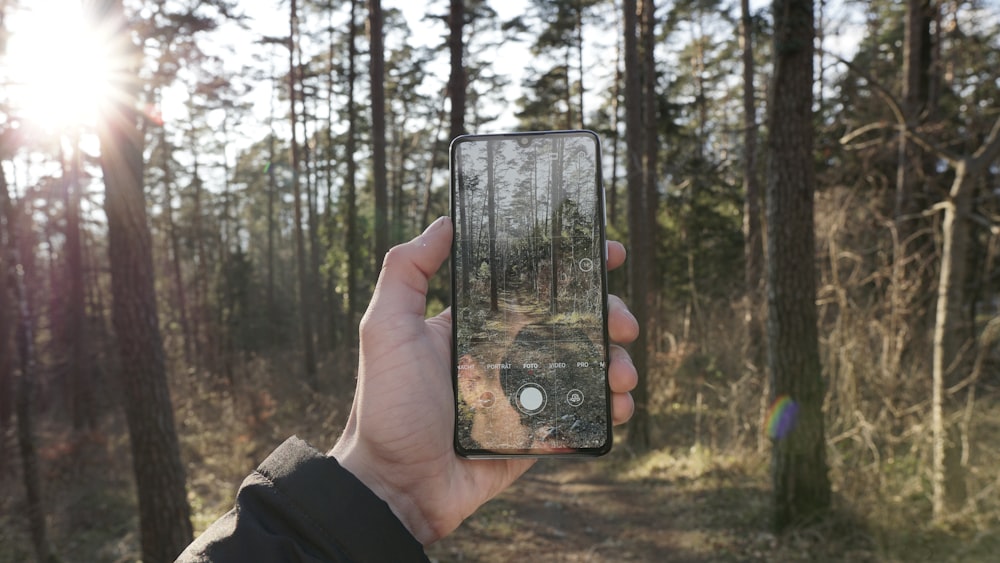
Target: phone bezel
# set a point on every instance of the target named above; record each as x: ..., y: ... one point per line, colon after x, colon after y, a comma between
x: 527, y: 137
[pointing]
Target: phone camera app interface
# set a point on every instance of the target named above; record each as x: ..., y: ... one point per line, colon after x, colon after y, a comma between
x: 529, y: 293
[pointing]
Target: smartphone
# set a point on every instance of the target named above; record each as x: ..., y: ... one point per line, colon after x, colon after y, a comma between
x: 529, y: 295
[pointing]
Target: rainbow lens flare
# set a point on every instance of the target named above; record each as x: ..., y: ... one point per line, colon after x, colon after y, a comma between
x: 781, y: 417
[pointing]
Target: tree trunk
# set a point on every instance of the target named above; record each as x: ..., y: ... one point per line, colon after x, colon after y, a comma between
x: 948, y: 330
x: 457, y: 79
x: 333, y: 302
x: 753, y: 247
x: 612, y: 190
x: 650, y: 159
x: 200, y: 326
x: 799, y: 471
x: 579, y: 60
x: 175, y: 249
x: 317, y: 301
x: 6, y: 366
x: 465, y: 233
x: 14, y: 273
x: 164, y: 515
x: 352, y: 240
x: 638, y: 270
x: 916, y: 83
x: 300, y: 246
x: 272, y: 194
x: 491, y: 203
x: 377, y: 77
x: 82, y: 403
x: 556, y: 198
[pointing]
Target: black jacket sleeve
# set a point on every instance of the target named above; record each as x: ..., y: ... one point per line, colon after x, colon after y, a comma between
x: 301, y: 505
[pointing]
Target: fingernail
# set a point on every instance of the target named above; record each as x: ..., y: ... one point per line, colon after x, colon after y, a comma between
x: 435, y: 225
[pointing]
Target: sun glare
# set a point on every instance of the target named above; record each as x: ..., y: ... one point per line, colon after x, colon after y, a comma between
x: 57, y: 67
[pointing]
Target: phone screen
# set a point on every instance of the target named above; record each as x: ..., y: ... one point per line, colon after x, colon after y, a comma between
x: 529, y: 286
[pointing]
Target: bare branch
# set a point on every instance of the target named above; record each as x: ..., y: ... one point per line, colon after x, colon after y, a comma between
x: 849, y: 137
x: 894, y: 106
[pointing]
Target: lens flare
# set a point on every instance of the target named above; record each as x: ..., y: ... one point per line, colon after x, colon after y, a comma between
x: 781, y: 417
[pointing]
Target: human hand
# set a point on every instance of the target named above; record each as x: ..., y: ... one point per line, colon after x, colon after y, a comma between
x: 399, y: 437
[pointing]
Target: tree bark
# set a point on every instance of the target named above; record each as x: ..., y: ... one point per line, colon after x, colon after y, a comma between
x: 301, y: 259
x: 556, y: 196
x: 491, y: 205
x: 175, y: 249
x: 638, y: 270
x: 6, y: 366
x: 753, y: 247
x: 83, y: 407
x: 916, y: 83
x: 457, y: 78
x: 377, y: 77
x: 948, y: 332
x: 352, y: 240
x: 798, y: 468
x: 14, y: 273
x: 164, y: 515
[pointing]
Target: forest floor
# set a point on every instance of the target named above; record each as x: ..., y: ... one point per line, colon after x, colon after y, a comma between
x: 691, y: 506
x: 674, y: 504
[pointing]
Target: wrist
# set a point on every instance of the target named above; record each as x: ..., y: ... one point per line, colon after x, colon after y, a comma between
x: 352, y: 457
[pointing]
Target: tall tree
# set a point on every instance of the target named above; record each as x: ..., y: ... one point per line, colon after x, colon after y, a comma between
x: 916, y: 95
x: 491, y: 212
x: 81, y: 387
x: 799, y: 471
x: 164, y: 514
x: 556, y: 197
x: 6, y: 365
x: 948, y: 330
x: 377, y: 79
x: 300, y: 246
x: 457, y: 77
x: 639, y: 270
x: 13, y: 272
x: 352, y: 240
x: 753, y: 245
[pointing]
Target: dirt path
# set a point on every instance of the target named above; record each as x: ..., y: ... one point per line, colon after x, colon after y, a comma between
x: 575, y: 511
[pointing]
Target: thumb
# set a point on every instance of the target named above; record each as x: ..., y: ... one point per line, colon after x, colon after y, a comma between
x: 406, y: 269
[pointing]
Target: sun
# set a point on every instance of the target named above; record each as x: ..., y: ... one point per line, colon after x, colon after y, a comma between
x: 57, y: 68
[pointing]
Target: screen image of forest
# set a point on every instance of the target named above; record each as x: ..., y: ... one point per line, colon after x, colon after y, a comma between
x: 530, y: 304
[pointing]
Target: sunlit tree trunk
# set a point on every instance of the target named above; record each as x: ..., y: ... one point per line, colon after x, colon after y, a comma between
x: 948, y: 329
x: 164, y: 515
